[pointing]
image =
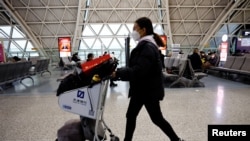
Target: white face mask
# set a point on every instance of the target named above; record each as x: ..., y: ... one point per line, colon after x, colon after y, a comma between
x: 135, y: 35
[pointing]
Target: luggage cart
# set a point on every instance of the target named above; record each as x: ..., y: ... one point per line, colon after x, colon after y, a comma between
x: 89, y: 102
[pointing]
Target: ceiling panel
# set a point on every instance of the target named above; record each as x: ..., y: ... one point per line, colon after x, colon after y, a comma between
x: 186, y: 21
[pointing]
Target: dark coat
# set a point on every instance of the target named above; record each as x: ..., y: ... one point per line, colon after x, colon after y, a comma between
x: 213, y: 61
x: 196, y: 61
x: 75, y: 58
x: 144, y: 72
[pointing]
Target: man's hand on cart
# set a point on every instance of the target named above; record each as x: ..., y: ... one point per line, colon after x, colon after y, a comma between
x: 113, y: 75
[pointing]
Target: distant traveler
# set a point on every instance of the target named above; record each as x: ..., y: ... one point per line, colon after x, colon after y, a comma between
x: 195, y: 59
x: 75, y: 57
x: 16, y: 59
x: 90, y: 57
x: 212, y: 61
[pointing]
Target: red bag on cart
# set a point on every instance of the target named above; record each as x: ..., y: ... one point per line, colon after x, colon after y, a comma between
x: 102, y: 66
x: 89, y: 66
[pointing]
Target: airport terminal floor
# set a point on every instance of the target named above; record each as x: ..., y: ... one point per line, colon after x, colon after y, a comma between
x: 31, y: 112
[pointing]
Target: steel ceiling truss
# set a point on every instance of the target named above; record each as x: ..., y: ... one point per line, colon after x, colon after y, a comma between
x: 48, y: 20
x: 191, y: 19
x: 186, y: 22
x: 7, y: 5
x: 121, y: 11
x: 12, y: 34
x: 234, y: 19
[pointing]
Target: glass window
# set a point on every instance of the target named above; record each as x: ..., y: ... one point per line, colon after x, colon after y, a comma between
x: 29, y: 46
x: 13, y: 48
x: 97, y: 38
x: 5, y: 30
x: 17, y: 33
x: 19, y: 45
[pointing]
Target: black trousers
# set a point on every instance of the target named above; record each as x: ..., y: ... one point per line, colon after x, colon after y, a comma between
x: 154, y: 111
x: 112, y: 81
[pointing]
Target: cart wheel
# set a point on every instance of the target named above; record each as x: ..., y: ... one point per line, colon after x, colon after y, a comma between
x: 114, y: 138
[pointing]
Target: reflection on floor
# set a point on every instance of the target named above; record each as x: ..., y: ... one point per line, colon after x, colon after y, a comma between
x: 31, y: 113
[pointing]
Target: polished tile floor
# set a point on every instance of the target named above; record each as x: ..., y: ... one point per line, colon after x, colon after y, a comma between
x: 31, y: 112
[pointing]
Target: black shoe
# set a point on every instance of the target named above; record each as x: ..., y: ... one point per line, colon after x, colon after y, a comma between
x: 113, y: 85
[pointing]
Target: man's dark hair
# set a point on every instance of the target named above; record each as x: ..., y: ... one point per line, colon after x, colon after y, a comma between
x: 90, y: 55
x: 16, y: 58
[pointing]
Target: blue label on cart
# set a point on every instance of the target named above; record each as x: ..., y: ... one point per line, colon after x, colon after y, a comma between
x: 80, y: 94
x: 79, y: 101
x: 67, y: 107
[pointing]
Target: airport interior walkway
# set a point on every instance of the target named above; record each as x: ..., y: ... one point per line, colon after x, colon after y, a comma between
x: 31, y: 112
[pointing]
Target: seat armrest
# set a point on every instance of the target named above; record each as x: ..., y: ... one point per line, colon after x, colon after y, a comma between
x: 175, y: 72
x: 198, y: 70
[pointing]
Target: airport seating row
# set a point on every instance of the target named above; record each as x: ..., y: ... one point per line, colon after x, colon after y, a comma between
x: 34, y: 60
x: 41, y: 66
x: 174, y: 71
x: 234, y: 65
x: 11, y: 72
x: 195, y: 76
x: 182, y: 73
x: 67, y: 63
